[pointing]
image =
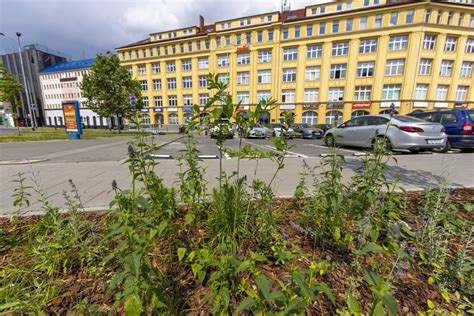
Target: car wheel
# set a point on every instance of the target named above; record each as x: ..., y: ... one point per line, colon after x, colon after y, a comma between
x: 447, y: 147
x: 467, y: 150
x: 382, y: 142
x: 329, y: 140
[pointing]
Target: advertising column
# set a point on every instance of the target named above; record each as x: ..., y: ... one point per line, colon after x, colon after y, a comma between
x: 72, y: 119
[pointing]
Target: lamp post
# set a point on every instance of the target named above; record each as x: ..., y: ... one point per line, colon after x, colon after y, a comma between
x: 18, y: 34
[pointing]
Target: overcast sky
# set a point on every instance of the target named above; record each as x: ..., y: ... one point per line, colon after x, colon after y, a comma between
x: 86, y: 27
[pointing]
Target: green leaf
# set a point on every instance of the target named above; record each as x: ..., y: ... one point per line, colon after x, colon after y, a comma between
x: 132, y: 262
x: 390, y: 303
x: 430, y: 304
x: 201, y: 275
x: 278, y: 297
x: 133, y: 305
x: 446, y: 297
x: 116, y: 280
x: 371, y: 247
x: 323, y: 287
x: 379, y: 310
x: 296, y: 305
x: 353, y: 305
x: 196, y: 267
x: 336, y: 234
x: 264, y: 285
x: 9, y: 305
x: 243, y: 266
x: 246, y: 303
x: 181, y: 253
x: 303, y: 286
x: 371, y: 277
x: 189, y: 218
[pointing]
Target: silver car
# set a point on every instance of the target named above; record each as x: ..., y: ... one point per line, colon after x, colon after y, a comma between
x: 259, y: 131
x: 403, y: 132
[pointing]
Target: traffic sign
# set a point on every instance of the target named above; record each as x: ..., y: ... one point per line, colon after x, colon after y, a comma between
x: 34, y: 107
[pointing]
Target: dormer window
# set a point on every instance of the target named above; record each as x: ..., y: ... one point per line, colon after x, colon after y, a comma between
x: 292, y: 17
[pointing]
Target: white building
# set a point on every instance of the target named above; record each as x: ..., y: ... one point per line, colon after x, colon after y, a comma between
x: 61, y: 82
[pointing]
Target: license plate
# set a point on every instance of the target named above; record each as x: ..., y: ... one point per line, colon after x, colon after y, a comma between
x: 435, y: 141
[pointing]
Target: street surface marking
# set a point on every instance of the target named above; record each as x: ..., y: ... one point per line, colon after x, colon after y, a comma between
x: 327, y: 148
x: 291, y: 153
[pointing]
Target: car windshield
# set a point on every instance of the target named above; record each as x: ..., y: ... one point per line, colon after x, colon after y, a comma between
x: 471, y: 115
x: 304, y: 125
x: 276, y: 125
x: 407, y: 119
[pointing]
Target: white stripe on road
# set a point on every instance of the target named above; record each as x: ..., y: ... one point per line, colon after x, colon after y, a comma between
x: 327, y: 148
x: 291, y: 153
x: 226, y: 155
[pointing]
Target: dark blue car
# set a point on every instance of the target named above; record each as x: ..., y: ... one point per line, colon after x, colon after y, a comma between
x: 458, y: 125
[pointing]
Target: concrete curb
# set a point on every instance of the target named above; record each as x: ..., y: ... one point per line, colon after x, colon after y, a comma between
x: 21, y: 162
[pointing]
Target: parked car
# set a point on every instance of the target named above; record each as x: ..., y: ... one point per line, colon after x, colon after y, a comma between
x: 223, y: 128
x: 308, y: 131
x: 458, y: 125
x: 259, y: 131
x: 402, y: 132
x: 278, y: 129
x: 324, y: 127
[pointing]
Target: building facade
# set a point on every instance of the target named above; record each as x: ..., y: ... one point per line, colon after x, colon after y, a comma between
x: 325, y: 63
x: 61, y: 83
x: 35, y: 57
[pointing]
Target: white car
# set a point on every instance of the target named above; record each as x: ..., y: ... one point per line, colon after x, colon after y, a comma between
x: 277, y: 130
x: 259, y: 131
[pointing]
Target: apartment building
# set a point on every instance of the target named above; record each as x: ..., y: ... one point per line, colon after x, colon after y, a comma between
x: 324, y: 63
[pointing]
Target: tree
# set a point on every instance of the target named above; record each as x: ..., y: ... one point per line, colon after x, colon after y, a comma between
x: 108, y: 86
x: 10, y: 91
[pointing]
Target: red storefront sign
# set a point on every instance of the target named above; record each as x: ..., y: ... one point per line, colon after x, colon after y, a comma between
x: 244, y: 48
x: 361, y: 105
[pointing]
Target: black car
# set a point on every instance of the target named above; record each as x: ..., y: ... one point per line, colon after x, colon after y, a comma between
x: 308, y: 131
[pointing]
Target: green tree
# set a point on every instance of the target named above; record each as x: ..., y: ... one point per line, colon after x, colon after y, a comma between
x: 108, y: 86
x: 10, y: 91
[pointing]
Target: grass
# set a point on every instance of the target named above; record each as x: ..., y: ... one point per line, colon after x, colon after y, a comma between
x: 45, y: 133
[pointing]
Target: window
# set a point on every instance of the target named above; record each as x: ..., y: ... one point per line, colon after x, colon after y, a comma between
x: 425, y: 67
x: 338, y: 71
x: 238, y: 39
x: 335, y: 26
x: 288, y: 96
x: 173, y: 119
x: 157, y: 84
x: 203, y: 81
x: 243, y: 77
x: 269, y: 18
x: 297, y: 31
x: 366, y: 3
x: 363, y: 22
x: 365, y: 69
x: 145, y: 102
x: 284, y: 33
x: 360, y: 113
x: 263, y: 95
x: 391, y: 92
x: 172, y: 101
x: 243, y: 97
x: 429, y: 41
x: 427, y: 15
x: 171, y: 83
x: 348, y: 5
x: 339, y: 6
x: 223, y: 77
x: 333, y: 117
x: 394, y: 67
x: 264, y: 76
x: 470, y: 45
x: 170, y: 66
x: 314, y: 51
x: 393, y: 18
x: 259, y: 36
x: 223, y: 61
x: 471, y: 20
x: 398, y: 42
x: 227, y: 40
x: 461, y: 93
x: 450, y: 44
x: 314, y: 11
x: 461, y: 19
x: 144, y: 85
x: 156, y: 68
x: 198, y: 45
x: 187, y: 82
x: 243, y: 59
x: 322, y: 28
x: 186, y: 64
x: 409, y: 17
x: 270, y: 35
x: 368, y: 46
x: 158, y: 101
x: 142, y: 69
x: 336, y: 94
x: 349, y: 23
x: 309, y: 30
x: 248, y: 38
x: 188, y: 100
x: 264, y: 56
x: 378, y: 20
x: 203, y: 63
x: 340, y: 48
x: 362, y: 93
x: 190, y: 46
x: 310, y: 118
x: 289, y: 74
x: 440, y: 15
x: 323, y: 9
x: 203, y: 98
x: 446, y: 68
x: 312, y: 73
x: 311, y: 95
x: 466, y: 69
x: 442, y: 92
x: 421, y: 91
x: 450, y: 17
x: 290, y: 54
x: 218, y: 42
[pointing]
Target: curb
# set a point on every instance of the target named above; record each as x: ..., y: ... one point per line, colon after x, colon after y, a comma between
x: 20, y: 162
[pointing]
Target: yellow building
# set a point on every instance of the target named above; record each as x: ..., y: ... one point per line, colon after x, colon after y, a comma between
x: 325, y: 62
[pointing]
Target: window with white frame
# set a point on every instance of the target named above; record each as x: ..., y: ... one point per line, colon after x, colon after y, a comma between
x: 398, y: 42
x: 335, y: 26
x: 218, y: 42
x: 368, y: 46
x: 171, y: 83
x: 311, y: 95
x: 243, y: 97
x: 172, y: 101
x: 338, y: 71
x: 263, y: 95
x: 223, y: 60
x: 340, y: 48
x: 363, y: 22
x: 394, y: 67
x: 393, y: 18
x: 145, y: 102
x: 264, y: 56
x: 421, y: 91
x: 322, y: 28
x: 146, y: 118
x: 290, y: 53
x: 144, y: 85
x: 203, y: 98
x: 259, y: 36
x: 335, y: 94
x: 142, y: 70
x: 156, y: 84
x: 442, y: 92
x: 223, y: 77
x: 156, y: 68
x: 450, y: 17
x: 297, y: 31
x: 446, y: 68
x: 461, y: 19
x: 243, y: 58
x: 264, y: 76
x: 391, y: 92
x: 309, y: 30
x: 310, y: 118
x: 170, y: 66
x: 425, y: 67
x: 188, y: 100
x: 173, y: 119
x: 158, y: 101
x: 365, y: 69
x: 349, y: 24
x: 466, y: 69
x: 429, y: 41
x: 289, y: 74
x: 440, y: 15
x: 427, y: 15
x: 288, y: 96
x: 203, y: 63
x: 186, y: 64
x: 409, y: 17
x: 203, y: 81
x: 362, y: 93
x: 470, y: 45
x: 378, y: 20
x: 312, y: 73
x: 270, y: 35
x: 461, y: 93
x: 284, y: 33
x: 333, y: 117
x: 450, y: 44
x: 243, y: 77
x: 187, y: 82
x: 314, y: 51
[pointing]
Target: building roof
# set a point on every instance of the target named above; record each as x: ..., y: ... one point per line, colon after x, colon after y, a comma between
x: 70, y: 65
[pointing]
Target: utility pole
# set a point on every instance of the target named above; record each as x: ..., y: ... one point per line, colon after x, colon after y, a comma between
x: 33, y: 116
